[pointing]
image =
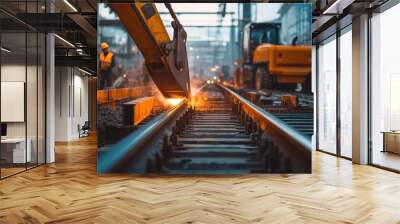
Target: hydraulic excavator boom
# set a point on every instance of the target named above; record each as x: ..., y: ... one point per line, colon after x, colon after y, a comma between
x: 165, y: 59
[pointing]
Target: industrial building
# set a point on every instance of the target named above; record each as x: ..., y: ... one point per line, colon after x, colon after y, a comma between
x: 294, y: 102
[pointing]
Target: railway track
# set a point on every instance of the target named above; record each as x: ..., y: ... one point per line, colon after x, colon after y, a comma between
x: 304, y: 100
x: 301, y: 121
x: 214, y: 142
x: 300, y: 118
x: 223, y: 133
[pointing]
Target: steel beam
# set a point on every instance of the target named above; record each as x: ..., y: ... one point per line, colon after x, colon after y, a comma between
x: 118, y: 23
x: 81, y: 61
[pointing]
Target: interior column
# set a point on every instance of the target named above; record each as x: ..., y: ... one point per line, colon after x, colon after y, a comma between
x: 360, y: 90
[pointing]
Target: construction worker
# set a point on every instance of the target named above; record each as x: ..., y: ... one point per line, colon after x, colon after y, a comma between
x: 106, y: 63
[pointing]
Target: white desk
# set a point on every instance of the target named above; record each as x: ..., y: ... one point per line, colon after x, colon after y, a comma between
x: 17, y: 146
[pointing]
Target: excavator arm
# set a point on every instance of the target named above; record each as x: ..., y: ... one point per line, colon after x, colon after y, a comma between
x: 165, y: 59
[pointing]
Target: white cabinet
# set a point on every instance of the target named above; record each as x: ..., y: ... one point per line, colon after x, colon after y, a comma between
x: 17, y: 148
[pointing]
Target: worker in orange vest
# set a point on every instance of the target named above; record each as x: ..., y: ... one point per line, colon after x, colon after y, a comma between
x: 106, y: 63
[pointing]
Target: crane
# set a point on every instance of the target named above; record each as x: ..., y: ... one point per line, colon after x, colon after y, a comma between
x: 165, y: 59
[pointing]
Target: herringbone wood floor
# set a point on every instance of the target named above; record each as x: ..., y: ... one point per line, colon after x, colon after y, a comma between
x: 70, y: 191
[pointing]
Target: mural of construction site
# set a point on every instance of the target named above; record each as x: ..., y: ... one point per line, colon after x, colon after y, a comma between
x: 204, y: 88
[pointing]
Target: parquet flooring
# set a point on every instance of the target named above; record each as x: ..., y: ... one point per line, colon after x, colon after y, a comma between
x: 7, y: 171
x: 70, y: 191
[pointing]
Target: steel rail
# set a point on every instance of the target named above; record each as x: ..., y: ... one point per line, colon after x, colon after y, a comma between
x: 199, y: 89
x: 129, y: 146
x: 114, y: 158
x: 299, y: 140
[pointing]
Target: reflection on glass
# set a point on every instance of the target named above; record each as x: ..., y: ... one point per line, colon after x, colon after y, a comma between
x: 385, y: 89
x: 22, y: 91
x: 346, y: 94
x: 14, y: 153
x: 327, y: 97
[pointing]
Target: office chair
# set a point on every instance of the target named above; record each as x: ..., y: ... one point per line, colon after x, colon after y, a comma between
x: 84, y: 130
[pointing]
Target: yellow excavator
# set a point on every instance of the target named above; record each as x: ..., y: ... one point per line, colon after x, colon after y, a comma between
x: 267, y: 64
x: 165, y: 59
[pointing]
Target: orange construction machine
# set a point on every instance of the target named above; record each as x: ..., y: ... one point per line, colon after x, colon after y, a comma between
x: 165, y: 59
x: 267, y: 64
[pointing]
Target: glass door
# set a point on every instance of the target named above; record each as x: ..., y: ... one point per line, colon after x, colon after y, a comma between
x: 22, y: 68
x: 385, y: 89
x: 346, y: 93
x: 327, y: 96
x: 14, y: 153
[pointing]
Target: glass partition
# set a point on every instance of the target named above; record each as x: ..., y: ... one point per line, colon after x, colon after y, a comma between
x: 327, y: 96
x: 346, y: 93
x: 22, y: 90
x: 385, y: 89
x: 14, y: 153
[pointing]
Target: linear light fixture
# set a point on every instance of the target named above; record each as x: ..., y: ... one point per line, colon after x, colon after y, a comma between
x: 70, y: 5
x: 331, y: 7
x: 5, y: 50
x: 65, y: 41
x: 337, y: 7
x: 84, y: 71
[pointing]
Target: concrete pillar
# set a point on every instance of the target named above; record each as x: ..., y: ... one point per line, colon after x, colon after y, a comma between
x: 50, y: 92
x: 50, y: 99
x: 360, y: 90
